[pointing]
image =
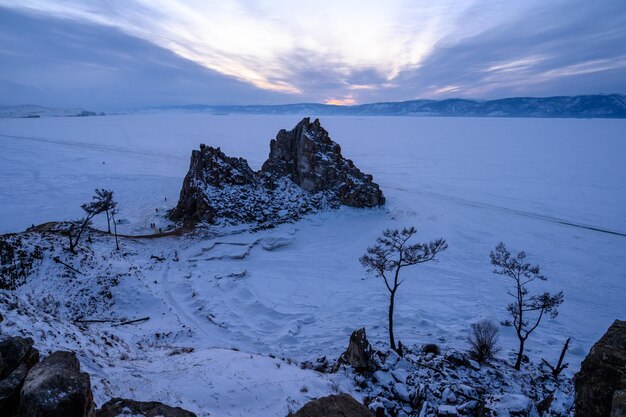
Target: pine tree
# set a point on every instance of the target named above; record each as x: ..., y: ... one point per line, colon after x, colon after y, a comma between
x: 526, y: 311
x: 390, y: 254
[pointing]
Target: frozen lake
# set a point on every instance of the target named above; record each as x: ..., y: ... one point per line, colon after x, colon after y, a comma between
x: 555, y: 188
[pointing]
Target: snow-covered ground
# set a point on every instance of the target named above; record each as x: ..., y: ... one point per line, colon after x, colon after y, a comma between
x: 554, y: 188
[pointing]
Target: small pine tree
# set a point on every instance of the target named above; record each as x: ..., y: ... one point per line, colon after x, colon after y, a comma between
x: 390, y: 254
x: 526, y: 311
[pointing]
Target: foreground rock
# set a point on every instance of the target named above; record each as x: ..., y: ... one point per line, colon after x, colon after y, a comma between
x: 341, y: 405
x: 305, y: 172
x: 121, y: 407
x: 359, y: 354
x: 17, y: 357
x: 55, y: 387
x: 602, y: 376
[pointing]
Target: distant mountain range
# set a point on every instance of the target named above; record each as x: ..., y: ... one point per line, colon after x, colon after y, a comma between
x: 596, y: 106
x: 589, y: 106
x: 28, y: 111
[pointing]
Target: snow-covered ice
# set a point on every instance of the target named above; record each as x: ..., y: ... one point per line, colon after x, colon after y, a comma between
x: 555, y: 188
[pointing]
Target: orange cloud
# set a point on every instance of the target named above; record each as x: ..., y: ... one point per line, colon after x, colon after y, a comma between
x: 340, y: 101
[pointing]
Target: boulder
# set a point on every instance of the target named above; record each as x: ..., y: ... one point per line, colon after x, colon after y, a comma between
x: 456, y: 358
x: 359, y: 354
x: 341, y: 405
x: 308, y: 156
x: 17, y: 357
x: 15, y: 351
x: 122, y: 407
x: 602, y: 374
x: 10, y: 389
x: 55, y: 387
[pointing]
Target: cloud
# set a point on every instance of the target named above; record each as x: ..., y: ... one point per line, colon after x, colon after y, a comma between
x: 56, y: 62
x: 350, y: 50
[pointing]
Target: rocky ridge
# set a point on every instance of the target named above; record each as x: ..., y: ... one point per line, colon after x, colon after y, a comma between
x: 426, y: 384
x: 305, y: 172
x: 601, y: 381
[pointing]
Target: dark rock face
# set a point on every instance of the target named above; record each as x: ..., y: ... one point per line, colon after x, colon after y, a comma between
x: 219, y: 188
x: 341, y: 405
x: 55, y: 387
x: 602, y: 375
x: 618, y: 408
x: 308, y: 156
x: 17, y: 357
x: 15, y: 351
x: 305, y: 172
x: 359, y: 354
x: 210, y: 170
x: 121, y: 407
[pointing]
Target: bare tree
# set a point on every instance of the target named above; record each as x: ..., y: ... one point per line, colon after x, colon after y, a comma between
x: 560, y: 366
x: 526, y: 311
x: 114, y: 212
x: 75, y: 231
x: 76, y: 228
x: 390, y: 254
x: 483, y: 340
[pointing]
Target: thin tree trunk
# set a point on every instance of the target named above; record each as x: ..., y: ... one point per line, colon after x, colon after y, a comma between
x: 117, y: 245
x: 520, y: 354
x: 108, y: 221
x: 392, y: 341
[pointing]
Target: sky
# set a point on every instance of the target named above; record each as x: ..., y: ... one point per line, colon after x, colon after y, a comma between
x: 110, y: 54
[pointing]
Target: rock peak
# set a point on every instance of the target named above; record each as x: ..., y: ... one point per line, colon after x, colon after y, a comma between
x: 311, y: 159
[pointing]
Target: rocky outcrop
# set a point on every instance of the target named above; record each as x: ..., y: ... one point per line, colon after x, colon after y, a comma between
x: 210, y: 172
x: 16, y: 351
x: 17, y: 357
x: 359, y: 354
x: 603, y: 374
x: 308, y: 156
x: 122, y: 407
x: 55, y: 387
x: 305, y: 172
x: 341, y: 405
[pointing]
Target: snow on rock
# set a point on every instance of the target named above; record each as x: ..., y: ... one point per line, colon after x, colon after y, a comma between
x: 427, y: 385
x: 305, y: 173
x: 119, y: 407
x: 271, y: 243
x: 221, y: 189
x: 56, y: 387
